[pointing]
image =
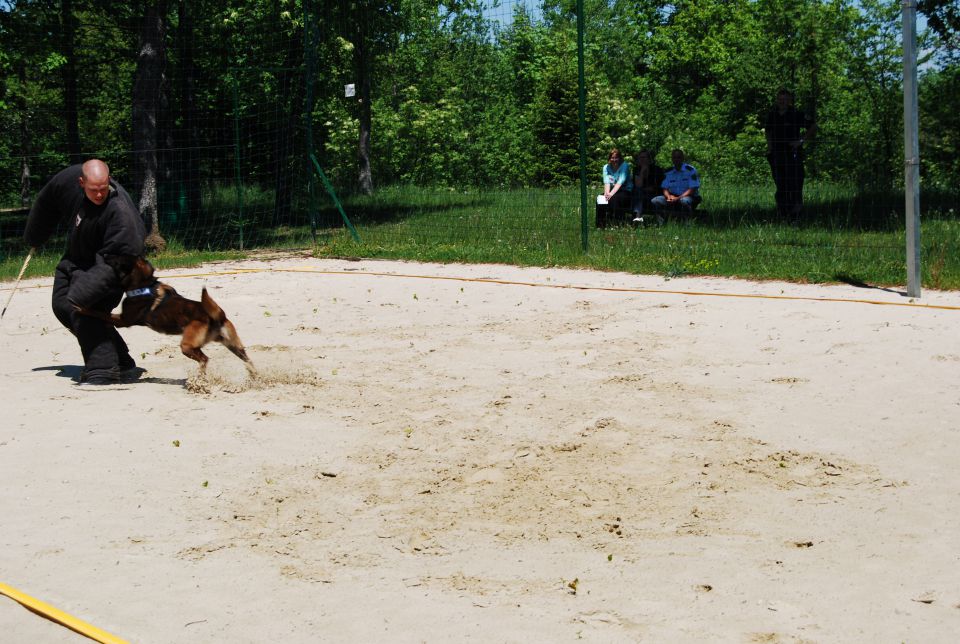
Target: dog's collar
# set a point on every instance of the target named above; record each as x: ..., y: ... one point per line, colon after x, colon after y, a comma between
x: 140, y: 292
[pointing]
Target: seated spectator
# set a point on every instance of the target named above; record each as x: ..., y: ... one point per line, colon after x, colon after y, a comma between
x: 617, y: 186
x: 681, y: 187
x: 647, y: 179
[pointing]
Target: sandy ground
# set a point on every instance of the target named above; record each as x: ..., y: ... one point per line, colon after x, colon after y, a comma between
x: 468, y: 453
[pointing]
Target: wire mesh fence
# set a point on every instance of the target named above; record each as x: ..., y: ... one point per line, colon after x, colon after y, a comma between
x: 451, y: 130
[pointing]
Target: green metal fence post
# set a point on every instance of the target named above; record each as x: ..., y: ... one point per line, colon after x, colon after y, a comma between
x: 333, y: 195
x: 236, y: 152
x: 582, y: 116
x: 310, y: 50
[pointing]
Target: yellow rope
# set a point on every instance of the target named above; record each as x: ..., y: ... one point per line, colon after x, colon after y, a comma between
x: 613, y: 289
x: 57, y: 615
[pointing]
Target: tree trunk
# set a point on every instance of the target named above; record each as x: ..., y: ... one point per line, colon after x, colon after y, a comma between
x: 151, y: 60
x: 24, y: 173
x: 69, y: 74
x: 25, y: 143
x: 364, y: 66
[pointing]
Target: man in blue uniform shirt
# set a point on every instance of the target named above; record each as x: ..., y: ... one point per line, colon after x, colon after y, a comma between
x: 681, y: 187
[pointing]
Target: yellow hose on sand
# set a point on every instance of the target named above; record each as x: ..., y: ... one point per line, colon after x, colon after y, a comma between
x: 57, y: 615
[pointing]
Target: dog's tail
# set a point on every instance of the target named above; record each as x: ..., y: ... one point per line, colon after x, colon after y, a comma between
x: 212, y: 308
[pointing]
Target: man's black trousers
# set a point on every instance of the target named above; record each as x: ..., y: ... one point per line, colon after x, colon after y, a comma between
x: 787, y: 169
x: 101, y: 345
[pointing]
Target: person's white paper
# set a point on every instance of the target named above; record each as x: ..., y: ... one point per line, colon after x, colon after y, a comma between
x: 601, y: 200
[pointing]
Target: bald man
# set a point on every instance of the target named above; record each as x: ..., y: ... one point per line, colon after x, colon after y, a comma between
x: 102, y: 221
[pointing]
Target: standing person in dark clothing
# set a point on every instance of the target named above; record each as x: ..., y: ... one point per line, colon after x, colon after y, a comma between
x: 787, y: 128
x: 103, y: 222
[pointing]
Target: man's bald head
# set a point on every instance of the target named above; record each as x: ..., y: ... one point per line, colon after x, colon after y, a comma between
x: 95, y: 180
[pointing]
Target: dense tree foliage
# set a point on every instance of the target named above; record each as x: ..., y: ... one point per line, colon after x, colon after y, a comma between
x: 461, y: 93
x: 943, y: 17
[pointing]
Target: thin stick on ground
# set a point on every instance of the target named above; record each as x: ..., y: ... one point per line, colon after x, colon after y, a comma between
x: 17, y: 285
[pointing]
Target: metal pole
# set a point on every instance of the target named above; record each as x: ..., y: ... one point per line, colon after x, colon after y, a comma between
x: 310, y: 53
x: 333, y: 195
x: 236, y: 152
x: 911, y: 146
x: 582, y: 116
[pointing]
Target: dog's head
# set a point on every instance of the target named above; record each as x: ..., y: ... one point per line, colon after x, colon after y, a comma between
x: 133, y: 271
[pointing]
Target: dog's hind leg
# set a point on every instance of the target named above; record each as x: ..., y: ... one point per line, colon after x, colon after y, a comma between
x: 195, y: 354
x: 192, y: 342
x: 230, y: 339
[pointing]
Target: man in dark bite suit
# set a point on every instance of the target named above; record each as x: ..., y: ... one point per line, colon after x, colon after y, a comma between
x: 103, y: 222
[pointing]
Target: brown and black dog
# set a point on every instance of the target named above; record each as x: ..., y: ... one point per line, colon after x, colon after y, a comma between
x: 149, y: 302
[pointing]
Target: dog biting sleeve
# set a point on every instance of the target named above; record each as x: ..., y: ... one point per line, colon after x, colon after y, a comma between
x: 87, y: 287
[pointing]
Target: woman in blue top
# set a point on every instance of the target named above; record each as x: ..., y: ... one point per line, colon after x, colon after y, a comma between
x: 617, y: 185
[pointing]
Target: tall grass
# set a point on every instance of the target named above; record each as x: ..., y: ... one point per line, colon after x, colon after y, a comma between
x: 845, y: 234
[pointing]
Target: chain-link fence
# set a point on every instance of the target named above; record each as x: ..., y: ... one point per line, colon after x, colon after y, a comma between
x: 452, y: 130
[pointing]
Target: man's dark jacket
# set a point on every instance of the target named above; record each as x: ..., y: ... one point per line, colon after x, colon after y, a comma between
x: 113, y: 228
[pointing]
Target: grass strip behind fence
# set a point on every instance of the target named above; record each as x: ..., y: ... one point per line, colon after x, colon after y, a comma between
x: 843, y: 236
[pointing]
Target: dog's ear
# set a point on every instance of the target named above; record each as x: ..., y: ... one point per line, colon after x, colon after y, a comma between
x: 121, y: 264
x: 131, y: 270
x: 144, y: 266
